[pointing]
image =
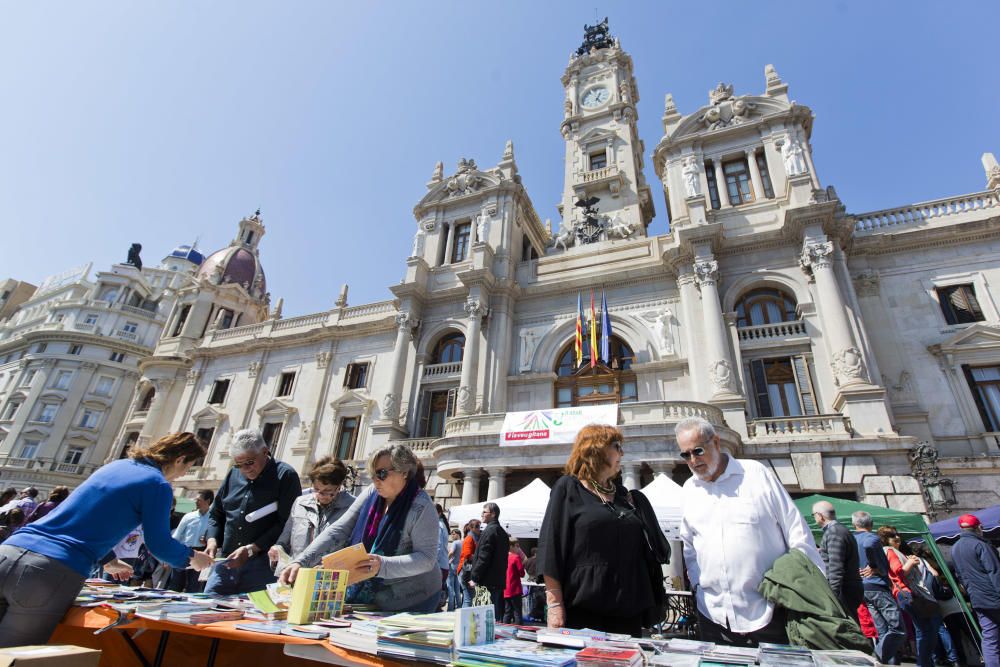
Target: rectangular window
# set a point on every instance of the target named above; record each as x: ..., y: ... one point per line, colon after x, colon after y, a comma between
x: 765, y: 175
x: 91, y: 319
x: 959, y: 304
x: 356, y: 376
x: 440, y: 406
x: 75, y: 349
x: 181, y: 319
x: 713, y: 186
x: 29, y: 448
x: 90, y: 418
x: 28, y: 378
x: 48, y: 413
x: 528, y: 251
x: 104, y: 385
x: 227, y: 318
x: 985, y: 385
x: 347, y: 437
x: 118, y: 357
x: 286, y: 383
x: 737, y: 175
x: 41, y: 347
x: 460, y: 249
x: 73, y: 456
x: 271, y: 433
x: 130, y: 327
x: 62, y: 380
x: 598, y: 160
x: 11, y: 410
x: 782, y: 387
x: 219, y: 391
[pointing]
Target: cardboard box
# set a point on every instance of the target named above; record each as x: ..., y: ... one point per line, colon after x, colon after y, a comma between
x: 49, y: 656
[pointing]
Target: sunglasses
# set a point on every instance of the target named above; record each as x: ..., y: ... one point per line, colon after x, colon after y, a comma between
x: 382, y: 473
x: 245, y: 464
x: 618, y: 445
x: 697, y: 451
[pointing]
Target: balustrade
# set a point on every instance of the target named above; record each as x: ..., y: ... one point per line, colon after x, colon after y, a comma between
x: 931, y: 210
x: 799, y: 426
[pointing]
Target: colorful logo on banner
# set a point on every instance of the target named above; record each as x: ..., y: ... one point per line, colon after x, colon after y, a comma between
x: 553, y: 427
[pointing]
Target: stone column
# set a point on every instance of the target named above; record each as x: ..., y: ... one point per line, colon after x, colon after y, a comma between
x: 716, y: 350
x: 689, y: 330
x: 449, y: 240
x: 758, y: 184
x: 503, y: 314
x: 845, y: 358
x: 470, y: 357
x: 149, y: 427
x: 630, y: 476
x: 405, y: 324
x: 720, y: 183
x: 470, y: 489
x: 496, y: 488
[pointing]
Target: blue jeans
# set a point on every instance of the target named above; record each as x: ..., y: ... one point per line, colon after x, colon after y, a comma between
x: 926, y: 630
x: 454, y: 591
x: 467, y: 593
x: 255, y: 575
x: 885, y: 615
x: 946, y: 647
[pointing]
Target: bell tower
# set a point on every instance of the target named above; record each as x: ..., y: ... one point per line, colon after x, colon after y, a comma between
x: 603, y: 148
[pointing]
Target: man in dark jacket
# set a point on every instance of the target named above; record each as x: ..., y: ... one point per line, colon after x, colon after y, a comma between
x: 839, y: 550
x: 489, y: 565
x: 978, y: 565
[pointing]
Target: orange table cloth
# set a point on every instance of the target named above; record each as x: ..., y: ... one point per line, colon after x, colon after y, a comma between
x: 189, y: 644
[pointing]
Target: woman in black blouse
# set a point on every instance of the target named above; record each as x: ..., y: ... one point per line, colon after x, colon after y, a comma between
x: 593, y: 549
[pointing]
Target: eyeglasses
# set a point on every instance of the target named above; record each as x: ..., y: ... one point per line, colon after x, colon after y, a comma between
x: 245, y: 464
x: 325, y: 493
x: 382, y: 473
x: 697, y: 451
x: 618, y: 445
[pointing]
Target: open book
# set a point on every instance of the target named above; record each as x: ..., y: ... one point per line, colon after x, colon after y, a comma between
x: 348, y: 559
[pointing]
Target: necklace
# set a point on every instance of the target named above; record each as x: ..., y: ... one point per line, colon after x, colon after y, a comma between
x: 608, y: 491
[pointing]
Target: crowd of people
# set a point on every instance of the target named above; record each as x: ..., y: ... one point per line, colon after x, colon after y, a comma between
x: 753, y: 565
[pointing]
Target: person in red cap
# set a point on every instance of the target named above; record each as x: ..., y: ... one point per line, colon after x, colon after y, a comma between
x: 978, y: 566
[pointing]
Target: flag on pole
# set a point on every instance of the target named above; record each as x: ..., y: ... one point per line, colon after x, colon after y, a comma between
x: 579, y: 330
x: 593, y: 331
x: 605, y: 330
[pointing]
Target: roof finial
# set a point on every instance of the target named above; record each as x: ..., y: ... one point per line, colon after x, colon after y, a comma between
x: 992, y: 169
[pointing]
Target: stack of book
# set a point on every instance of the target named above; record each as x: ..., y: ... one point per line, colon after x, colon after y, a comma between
x: 424, y: 637
x: 599, y: 656
x: 572, y: 638
x: 513, y: 653
x: 729, y: 655
x: 783, y: 654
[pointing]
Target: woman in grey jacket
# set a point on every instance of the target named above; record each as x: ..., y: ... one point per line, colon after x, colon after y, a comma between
x: 396, y: 521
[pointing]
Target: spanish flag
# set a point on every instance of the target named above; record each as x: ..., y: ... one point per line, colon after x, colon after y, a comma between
x: 593, y: 332
x: 579, y: 330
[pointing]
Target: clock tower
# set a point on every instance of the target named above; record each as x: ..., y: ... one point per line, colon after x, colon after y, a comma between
x: 603, y: 148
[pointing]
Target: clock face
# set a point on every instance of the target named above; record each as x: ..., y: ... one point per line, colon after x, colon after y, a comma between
x: 595, y: 97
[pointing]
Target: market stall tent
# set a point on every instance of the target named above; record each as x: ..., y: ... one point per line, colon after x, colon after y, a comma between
x: 947, y: 531
x: 664, y: 494
x: 521, y: 512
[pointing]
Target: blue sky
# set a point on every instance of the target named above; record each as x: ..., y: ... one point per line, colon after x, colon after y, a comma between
x: 164, y: 122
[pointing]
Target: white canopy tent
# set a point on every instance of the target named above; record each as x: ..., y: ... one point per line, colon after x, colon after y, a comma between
x: 521, y: 512
x: 664, y: 495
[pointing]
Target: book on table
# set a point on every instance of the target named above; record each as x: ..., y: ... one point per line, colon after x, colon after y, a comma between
x: 569, y: 638
x: 349, y: 558
x: 514, y: 653
x: 317, y: 593
x: 599, y: 656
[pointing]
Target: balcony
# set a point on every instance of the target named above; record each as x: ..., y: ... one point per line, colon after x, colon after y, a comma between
x: 767, y: 335
x: 791, y: 428
x: 130, y: 336
x: 609, y: 176
x: 85, y: 327
x: 24, y: 463
x: 420, y: 446
x: 441, y: 371
x: 964, y: 208
x: 72, y: 468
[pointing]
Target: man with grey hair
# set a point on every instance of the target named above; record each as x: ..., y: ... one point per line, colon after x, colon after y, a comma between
x: 737, y: 520
x: 247, y: 516
x: 839, y: 550
x: 874, y: 568
x: 489, y: 562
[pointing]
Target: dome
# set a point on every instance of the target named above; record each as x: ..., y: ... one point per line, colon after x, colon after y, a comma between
x: 235, y: 265
x: 189, y: 253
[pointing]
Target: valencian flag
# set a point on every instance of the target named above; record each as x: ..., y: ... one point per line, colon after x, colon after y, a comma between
x: 605, y: 330
x: 593, y: 332
x: 579, y: 330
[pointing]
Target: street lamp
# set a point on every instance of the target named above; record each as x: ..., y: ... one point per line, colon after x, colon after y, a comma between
x: 939, y: 492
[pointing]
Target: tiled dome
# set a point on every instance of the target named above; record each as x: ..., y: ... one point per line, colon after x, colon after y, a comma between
x: 239, y: 266
x: 188, y: 253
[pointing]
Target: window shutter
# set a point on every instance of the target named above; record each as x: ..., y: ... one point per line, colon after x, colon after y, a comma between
x: 347, y: 374
x: 806, y: 396
x: 452, y: 399
x: 978, y: 397
x: 759, y: 380
x: 423, y: 415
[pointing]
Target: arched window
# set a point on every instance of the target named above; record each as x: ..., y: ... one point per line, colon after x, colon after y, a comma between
x: 449, y: 349
x: 147, y: 400
x: 765, y: 306
x: 604, y: 383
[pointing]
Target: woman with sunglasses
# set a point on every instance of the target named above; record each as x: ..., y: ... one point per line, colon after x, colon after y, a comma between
x: 43, y: 566
x: 592, y: 549
x: 313, y: 512
x: 396, y: 521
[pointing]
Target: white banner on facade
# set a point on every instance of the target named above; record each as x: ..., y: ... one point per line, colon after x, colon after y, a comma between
x: 558, y: 426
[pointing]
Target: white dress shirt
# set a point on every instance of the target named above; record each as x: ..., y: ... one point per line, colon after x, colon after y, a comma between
x: 733, y: 530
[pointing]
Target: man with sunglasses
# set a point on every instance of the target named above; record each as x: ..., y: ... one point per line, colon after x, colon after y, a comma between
x: 247, y: 516
x: 737, y: 520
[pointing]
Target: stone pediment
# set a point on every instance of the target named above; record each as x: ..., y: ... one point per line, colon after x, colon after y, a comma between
x: 208, y: 414
x: 276, y: 407
x: 596, y: 134
x: 976, y: 336
x: 728, y: 111
x: 351, y: 397
x: 467, y: 181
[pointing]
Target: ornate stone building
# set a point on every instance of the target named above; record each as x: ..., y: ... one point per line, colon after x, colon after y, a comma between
x: 69, y: 357
x: 824, y: 343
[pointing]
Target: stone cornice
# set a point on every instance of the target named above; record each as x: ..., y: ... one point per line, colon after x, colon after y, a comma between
x: 70, y: 336
x: 923, y: 238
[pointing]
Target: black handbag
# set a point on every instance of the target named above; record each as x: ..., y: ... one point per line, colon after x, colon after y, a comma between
x: 941, y: 590
x: 657, y: 553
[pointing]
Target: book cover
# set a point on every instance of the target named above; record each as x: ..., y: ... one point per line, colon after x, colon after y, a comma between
x: 318, y: 593
x: 348, y: 559
x: 475, y: 626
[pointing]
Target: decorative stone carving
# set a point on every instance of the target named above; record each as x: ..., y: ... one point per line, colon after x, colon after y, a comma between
x: 276, y: 315
x: 726, y: 110
x: 692, y: 177
x: 418, y: 243
x: 341, y: 301
x: 662, y: 324
x: 323, y: 359
x: 848, y: 366
x: 465, y: 400
x: 706, y: 272
x: 720, y: 94
x: 508, y: 150
x: 390, y: 406
x: 669, y: 108
x: 771, y: 76
x: 565, y: 237
x: 192, y: 376
x: 529, y: 342
x: 793, y: 157
x: 483, y: 226
x: 626, y: 92
x: 615, y: 227
x: 305, y: 431
x: 475, y: 309
x: 254, y: 368
x: 992, y: 170
x: 721, y: 374
x: 568, y: 108
x: 465, y: 180
x: 438, y: 173
x: 816, y: 255
x: 866, y: 283
x: 405, y: 320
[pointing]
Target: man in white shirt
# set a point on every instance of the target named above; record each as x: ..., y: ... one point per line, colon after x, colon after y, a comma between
x: 738, y: 519
x: 191, y: 532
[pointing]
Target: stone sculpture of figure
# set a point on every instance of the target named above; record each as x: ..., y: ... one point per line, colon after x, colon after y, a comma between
x: 568, y: 107
x: 418, y: 243
x: 133, y: 256
x: 390, y: 409
x: 664, y: 331
x: 565, y: 238
x: 438, y: 172
x: 616, y: 227
x: 529, y: 341
x: 483, y: 227
x: 692, y: 180
x: 217, y: 273
x: 626, y: 92
x: 793, y: 157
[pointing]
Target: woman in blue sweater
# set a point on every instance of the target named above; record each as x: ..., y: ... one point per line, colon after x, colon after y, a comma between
x: 43, y: 566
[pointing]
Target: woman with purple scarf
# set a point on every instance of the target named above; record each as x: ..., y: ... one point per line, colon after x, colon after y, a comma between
x: 396, y: 521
